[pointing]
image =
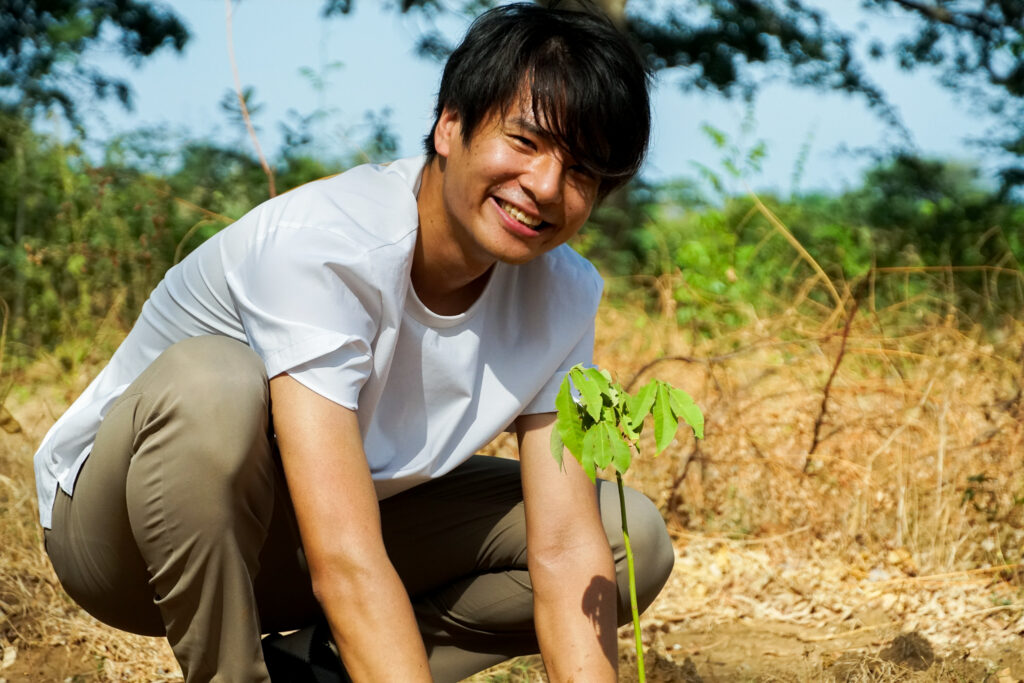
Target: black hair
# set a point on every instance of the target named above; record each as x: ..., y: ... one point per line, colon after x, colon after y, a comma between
x: 588, y: 85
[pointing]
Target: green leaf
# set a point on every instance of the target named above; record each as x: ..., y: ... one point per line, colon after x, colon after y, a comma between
x: 590, y: 393
x: 684, y: 406
x: 678, y: 397
x: 590, y: 440
x: 622, y: 454
x: 75, y: 264
x: 601, y: 379
x: 615, y: 393
x: 597, y: 444
x: 631, y: 433
x: 640, y: 404
x: 557, y: 447
x: 568, y: 422
x: 665, y: 423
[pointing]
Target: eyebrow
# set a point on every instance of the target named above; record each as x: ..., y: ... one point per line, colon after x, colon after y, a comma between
x: 531, y: 127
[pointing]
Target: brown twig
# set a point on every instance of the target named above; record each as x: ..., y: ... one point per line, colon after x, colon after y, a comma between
x: 744, y: 541
x: 674, y: 498
x: 711, y: 360
x: 188, y: 234
x: 828, y: 385
x: 953, y: 575
x: 656, y: 361
x: 974, y: 22
x: 244, y: 108
x: 909, y: 270
x: 191, y: 205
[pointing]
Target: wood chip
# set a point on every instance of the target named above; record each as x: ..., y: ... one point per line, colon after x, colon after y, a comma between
x: 10, y: 654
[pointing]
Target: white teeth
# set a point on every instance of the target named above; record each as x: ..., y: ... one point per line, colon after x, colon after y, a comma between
x: 519, y: 215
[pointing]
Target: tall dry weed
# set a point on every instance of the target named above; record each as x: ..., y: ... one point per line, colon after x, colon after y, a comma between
x: 901, y: 429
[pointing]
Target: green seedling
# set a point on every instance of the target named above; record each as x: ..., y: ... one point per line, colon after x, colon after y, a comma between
x: 601, y: 428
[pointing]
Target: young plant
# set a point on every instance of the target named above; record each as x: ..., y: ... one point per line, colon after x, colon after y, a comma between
x: 601, y: 427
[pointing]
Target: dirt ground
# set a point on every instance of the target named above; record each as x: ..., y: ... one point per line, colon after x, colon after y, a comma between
x: 730, y: 612
x: 744, y: 650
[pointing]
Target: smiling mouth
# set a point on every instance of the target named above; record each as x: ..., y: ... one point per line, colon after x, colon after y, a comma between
x: 532, y: 222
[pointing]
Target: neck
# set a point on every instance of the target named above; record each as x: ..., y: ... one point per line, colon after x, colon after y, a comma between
x: 446, y: 277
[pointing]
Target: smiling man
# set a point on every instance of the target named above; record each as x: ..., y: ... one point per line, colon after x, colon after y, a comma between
x: 286, y: 438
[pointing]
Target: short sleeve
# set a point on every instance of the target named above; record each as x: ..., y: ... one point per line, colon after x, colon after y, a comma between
x: 310, y: 304
x: 583, y: 352
x: 570, y: 316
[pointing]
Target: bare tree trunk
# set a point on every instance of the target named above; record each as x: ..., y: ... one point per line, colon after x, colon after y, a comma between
x: 19, y: 227
x: 615, y: 9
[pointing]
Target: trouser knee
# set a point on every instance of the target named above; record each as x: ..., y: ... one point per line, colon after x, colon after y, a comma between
x: 653, y: 555
x: 187, y: 445
x: 209, y: 382
x: 202, y: 432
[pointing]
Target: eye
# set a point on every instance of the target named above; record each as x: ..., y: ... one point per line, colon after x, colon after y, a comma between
x: 582, y: 171
x: 583, y: 179
x: 523, y: 141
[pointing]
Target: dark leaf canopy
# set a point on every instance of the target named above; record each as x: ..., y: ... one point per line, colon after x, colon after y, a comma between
x: 731, y: 47
x: 41, y: 42
x: 724, y: 46
x: 976, y: 47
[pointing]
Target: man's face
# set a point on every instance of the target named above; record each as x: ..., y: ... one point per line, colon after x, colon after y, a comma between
x: 511, y: 193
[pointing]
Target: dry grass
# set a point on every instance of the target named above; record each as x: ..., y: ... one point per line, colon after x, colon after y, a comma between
x: 920, y: 443
x: 906, y: 513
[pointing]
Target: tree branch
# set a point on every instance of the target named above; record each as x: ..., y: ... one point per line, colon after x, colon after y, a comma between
x: 244, y: 108
x: 954, y: 19
x: 828, y: 385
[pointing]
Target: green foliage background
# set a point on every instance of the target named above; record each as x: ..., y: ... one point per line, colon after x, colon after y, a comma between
x: 83, y: 242
x: 85, y: 237
x: 925, y: 232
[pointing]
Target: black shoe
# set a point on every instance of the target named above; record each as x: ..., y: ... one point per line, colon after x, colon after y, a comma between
x: 305, y: 656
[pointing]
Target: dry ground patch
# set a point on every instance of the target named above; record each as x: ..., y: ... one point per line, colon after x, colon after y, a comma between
x: 812, y: 527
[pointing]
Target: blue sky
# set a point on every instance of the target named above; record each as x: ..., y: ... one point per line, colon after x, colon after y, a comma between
x: 368, y: 62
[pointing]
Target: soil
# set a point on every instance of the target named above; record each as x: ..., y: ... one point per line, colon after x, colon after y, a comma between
x: 777, y: 652
x: 735, y: 652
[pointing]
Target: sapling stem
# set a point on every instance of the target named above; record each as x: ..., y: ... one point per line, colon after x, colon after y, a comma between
x: 632, y: 582
x: 601, y: 427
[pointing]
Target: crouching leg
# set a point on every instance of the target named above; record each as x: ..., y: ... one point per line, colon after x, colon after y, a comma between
x: 163, y: 532
x: 653, y: 555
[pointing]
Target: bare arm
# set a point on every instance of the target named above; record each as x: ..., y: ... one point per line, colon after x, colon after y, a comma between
x: 570, y: 562
x: 329, y: 480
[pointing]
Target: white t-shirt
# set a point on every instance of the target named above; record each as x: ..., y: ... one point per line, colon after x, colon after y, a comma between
x: 316, y: 282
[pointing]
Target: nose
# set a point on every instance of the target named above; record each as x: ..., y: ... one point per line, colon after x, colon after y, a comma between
x: 544, y: 179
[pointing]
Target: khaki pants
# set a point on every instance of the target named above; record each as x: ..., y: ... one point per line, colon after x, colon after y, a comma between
x: 180, y: 526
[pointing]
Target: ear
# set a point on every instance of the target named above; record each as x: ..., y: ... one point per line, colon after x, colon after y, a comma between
x: 447, y: 132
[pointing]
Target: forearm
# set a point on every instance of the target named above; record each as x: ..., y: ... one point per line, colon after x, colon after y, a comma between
x: 366, y: 604
x: 372, y: 622
x: 575, y: 613
x: 570, y: 562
